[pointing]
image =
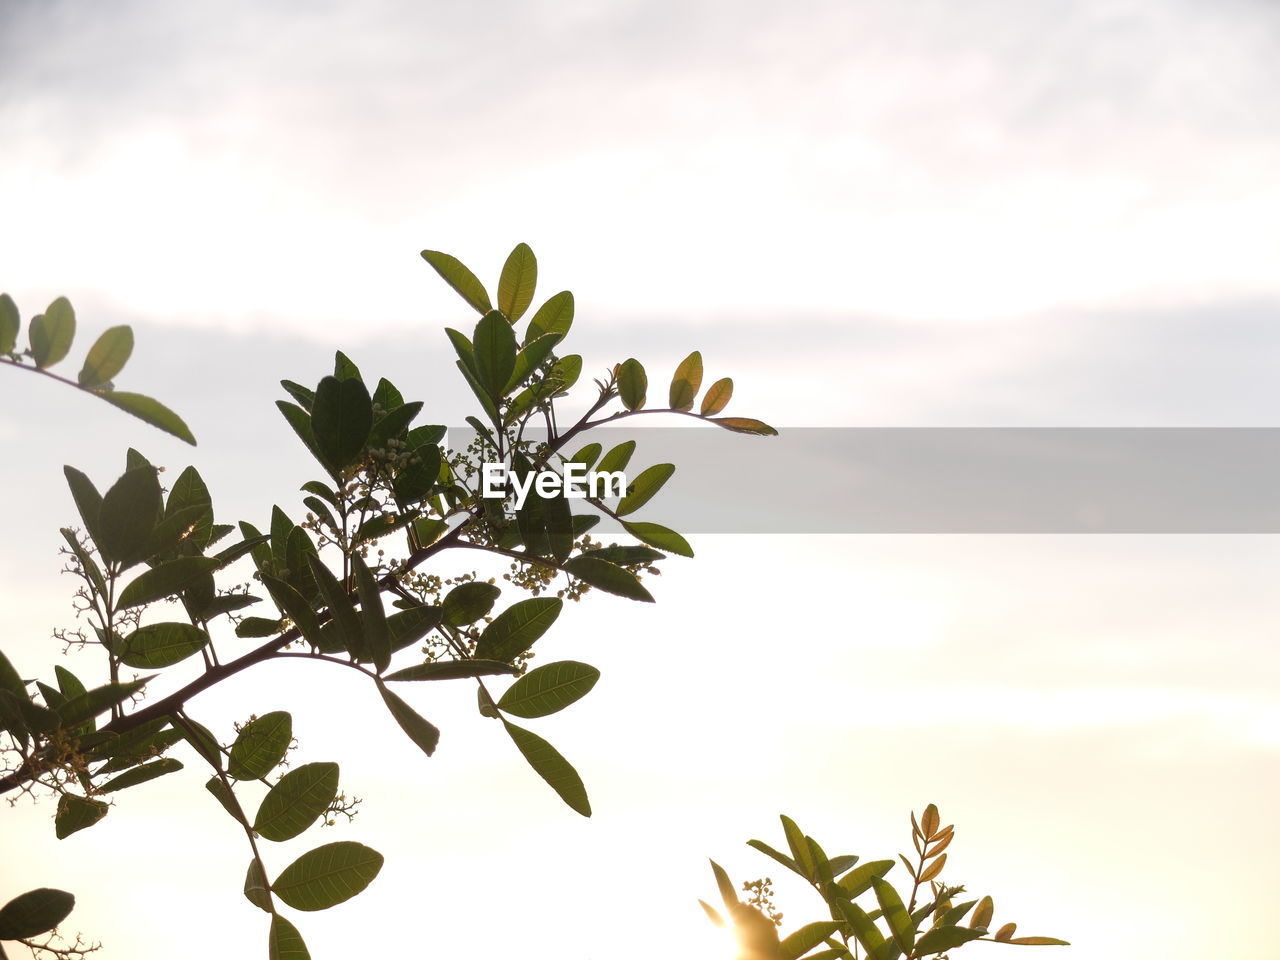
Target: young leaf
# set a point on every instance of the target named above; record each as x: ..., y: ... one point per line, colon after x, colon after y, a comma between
x: 717, y: 398
x: 260, y: 746
x: 517, y: 282
x: 745, y: 425
x: 76, y: 813
x: 328, y: 875
x: 34, y: 912
x: 297, y: 801
x: 341, y: 420
x: 285, y: 942
x: 460, y: 278
x: 161, y: 645
x: 10, y: 324
x: 51, y: 334
x: 644, y: 487
x: 417, y: 728
x: 517, y: 628
x: 552, y: 767
x: 107, y: 357
x: 149, y: 411
x: 632, y: 384
x: 659, y: 536
x: 686, y: 382
x: 554, y: 316
x: 549, y: 689
x: 608, y: 577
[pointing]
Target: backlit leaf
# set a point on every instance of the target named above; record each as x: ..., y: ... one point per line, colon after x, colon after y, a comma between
x: 327, y: 875
x: 686, y: 382
x: 517, y: 628
x: 495, y: 351
x: 644, y: 487
x: 297, y: 801
x: 517, y: 283
x: 717, y: 397
x: 745, y: 425
x: 260, y: 746
x: 164, y: 580
x: 548, y: 689
x: 10, y: 324
x: 460, y: 278
x: 468, y: 602
x: 552, y: 767
x: 285, y: 942
x: 149, y: 411
x: 633, y: 384
x: 141, y: 774
x: 452, y: 670
x: 341, y: 419
x: 107, y: 357
x: 51, y: 334
x: 255, y: 886
x: 34, y: 912
x: 554, y: 316
x: 161, y: 645
x: 421, y: 731
x: 76, y: 813
x: 608, y: 577
x: 130, y: 510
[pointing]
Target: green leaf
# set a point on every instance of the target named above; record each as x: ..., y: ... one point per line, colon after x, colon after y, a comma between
x: 390, y: 426
x: 222, y: 793
x: 858, y: 881
x: 165, y: 580
x: 686, y: 382
x: 149, y: 411
x: 745, y: 425
x: 608, y: 577
x: 941, y: 939
x: 799, y: 845
x: 297, y: 801
x: 34, y: 912
x: 782, y: 858
x: 468, y: 602
x: 10, y: 324
x: 482, y: 394
x: 516, y: 284
x: 161, y: 645
x: 1038, y: 942
x: 190, y: 492
x: 418, y: 729
x: 808, y: 937
x: 552, y: 767
x: 633, y: 384
x: 495, y: 347
x: 410, y: 626
x: 717, y: 398
x: 343, y: 368
x: 107, y: 357
x: 328, y: 875
x: 345, y: 618
x: 643, y: 488
x: 9, y: 678
x: 87, y: 499
x: 295, y: 607
x: 130, y: 511
x: 256, y: 888
x: 460, y: 278
x: 304, y: 395
x: 285, y: 942
x: 373, y: 618
x: 98, y: 700
x: 530, y: 359
x: 341, y: 419
x: 255, y: 627
x: 554, y: 316
x: 127, y: 751
x: 617, y: 458
x: 51, y: 334
x: 549, y: 689
x: 141, y: 774
x: 659, y: 536
x: 518, y: 627
x: 261, y: 745
x: 452, y: 670
x: 75, y: 814
x: 864, y: 928
x: 895, y: 914
x: 68, y: 682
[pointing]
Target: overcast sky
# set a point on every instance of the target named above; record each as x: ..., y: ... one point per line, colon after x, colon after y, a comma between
x: 869, y: 214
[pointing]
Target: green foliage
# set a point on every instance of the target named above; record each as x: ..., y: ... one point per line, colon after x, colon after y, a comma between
x: 926, y: 922
x: 345, y: 584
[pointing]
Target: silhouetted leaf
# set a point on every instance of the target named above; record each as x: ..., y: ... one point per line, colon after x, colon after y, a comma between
x: 141, y: 774
x: 164, y: 580
x: 341, y: 419
x: 98, y: 700
x: 260, y: 746
x: 517, y: 628
x: 297, y: 801
x: 373, y: 619
x: 452, y: 670
x: 548, y: 689
x: 161, y: 645
x: 130, y: 510
x: 34, y: 912
x: 75, y: 814
x: 552, y: 767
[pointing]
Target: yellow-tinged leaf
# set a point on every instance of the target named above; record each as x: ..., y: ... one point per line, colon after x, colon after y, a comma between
x: 982, y: 913
x: 943, y: 841
x: 745, y: 425
x: 1039, y: 942
x: 517, y: 282
x: 1005, y: 932
x: 686, y: 382
x: 929, y: 821
x: 933, y: 869
x: 717, y: 397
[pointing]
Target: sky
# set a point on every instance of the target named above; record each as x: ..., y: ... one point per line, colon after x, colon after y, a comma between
x: 909, y: 214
